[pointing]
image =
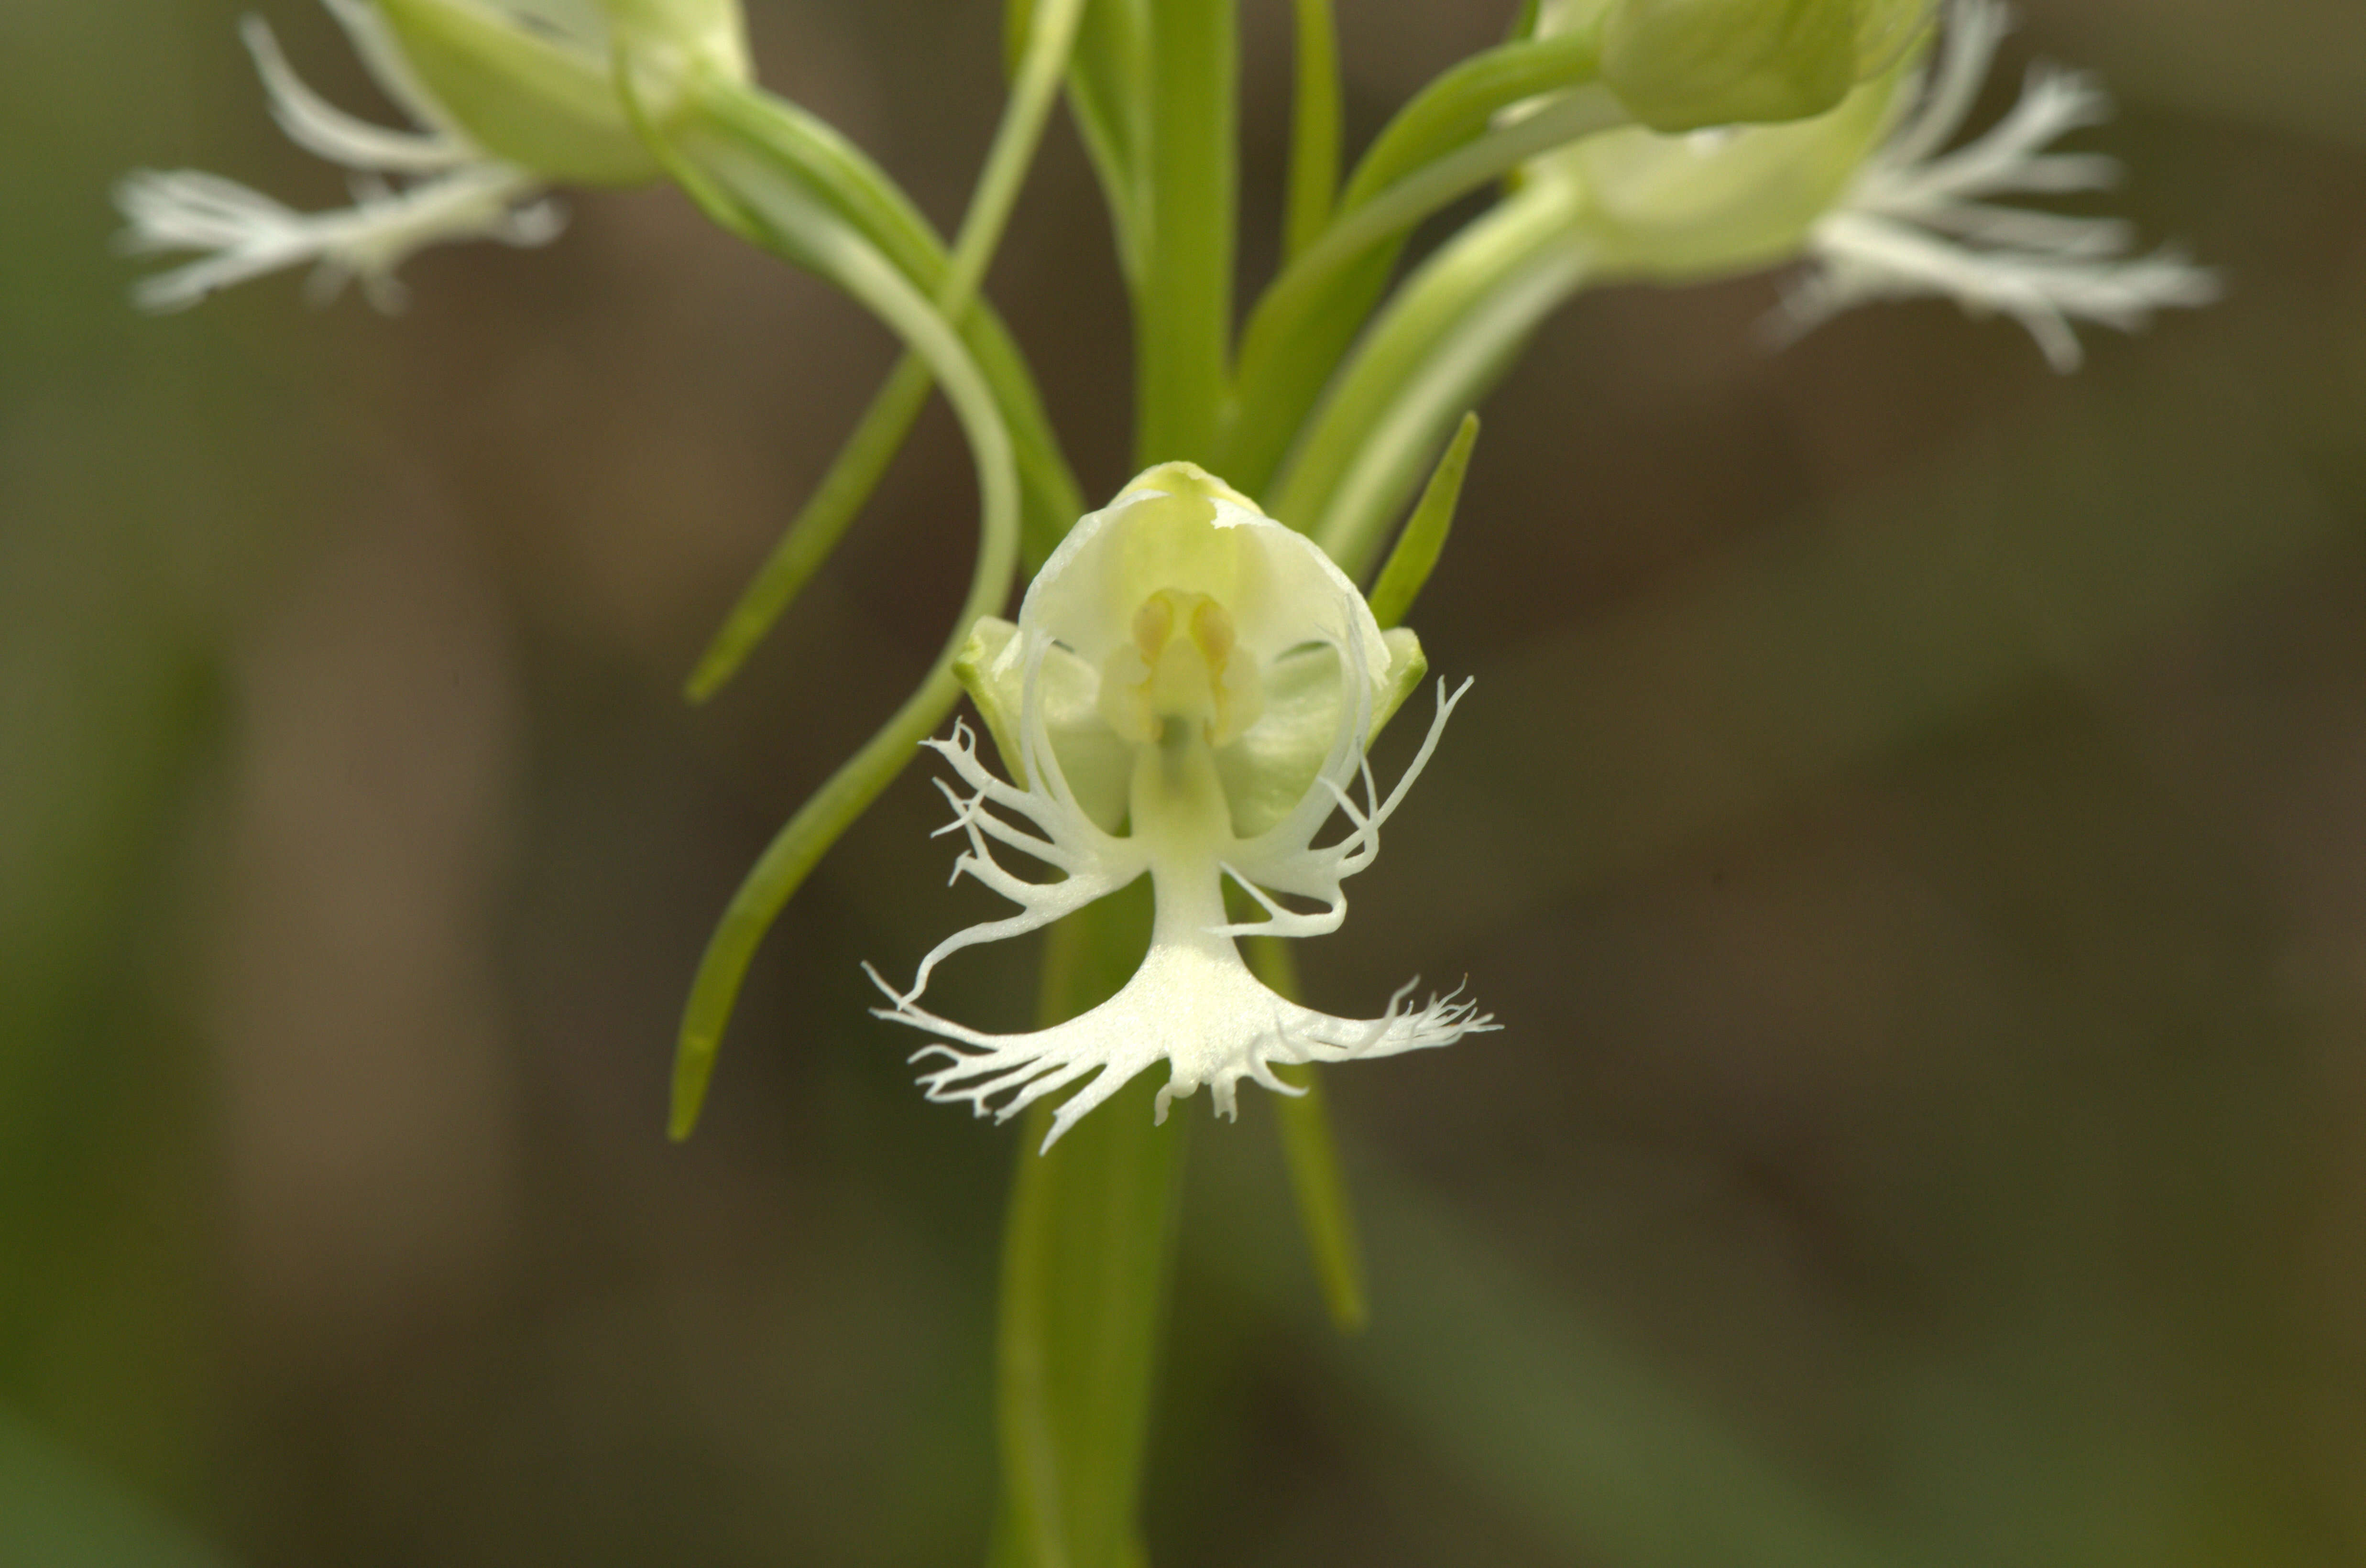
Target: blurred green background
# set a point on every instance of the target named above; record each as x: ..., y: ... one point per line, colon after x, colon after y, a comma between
x: 1911, y: 822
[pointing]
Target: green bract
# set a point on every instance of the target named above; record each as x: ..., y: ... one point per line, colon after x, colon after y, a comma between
x: 1682, y: 64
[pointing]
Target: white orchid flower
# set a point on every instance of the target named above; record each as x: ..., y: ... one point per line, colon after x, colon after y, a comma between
x: 507, y: 97
x: 1874, y: 200
x: 1188, y: 693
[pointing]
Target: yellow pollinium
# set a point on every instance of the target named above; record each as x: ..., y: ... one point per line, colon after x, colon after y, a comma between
x: 1183, y: 667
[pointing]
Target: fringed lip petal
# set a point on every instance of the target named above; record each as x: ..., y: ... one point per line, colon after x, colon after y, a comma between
x: 1199, y: 1008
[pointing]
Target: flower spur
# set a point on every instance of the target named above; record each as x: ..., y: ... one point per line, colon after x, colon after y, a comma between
x: 1187, y: 694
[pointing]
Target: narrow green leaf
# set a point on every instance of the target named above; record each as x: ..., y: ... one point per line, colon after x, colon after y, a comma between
x: 1415, y: 557
x: 1324, y: 1213
x: 1315, y: 127
x: 1524, y: 22
x: 1462, y: 105
x: 819, y: 524
x: 1087, y: 1254
x: 787, y: 861
x: 1109, y: 92
x: 813, y: 156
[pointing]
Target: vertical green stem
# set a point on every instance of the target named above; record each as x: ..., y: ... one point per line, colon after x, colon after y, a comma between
x: 1183, y: 311
x: 1090, y: 1246
x: 1087, y: 1253
x: 1315, y: 127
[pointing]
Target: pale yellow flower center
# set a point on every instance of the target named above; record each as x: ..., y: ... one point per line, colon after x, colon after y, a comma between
x: 1184, y: 666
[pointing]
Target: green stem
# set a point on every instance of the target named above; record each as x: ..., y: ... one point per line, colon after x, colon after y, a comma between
x: 1087, y: 1256
x: 1089, y: 1248
x: 1428, y: 359
x: 1315, y: 127
x: 1183, y: 309
x: 1444, y: 144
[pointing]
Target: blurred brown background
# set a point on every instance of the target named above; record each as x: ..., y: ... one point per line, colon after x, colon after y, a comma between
x: 1911, y: 822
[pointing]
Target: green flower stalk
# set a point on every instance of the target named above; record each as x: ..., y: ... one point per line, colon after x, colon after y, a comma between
x: 1187, y: 694
x: 507, y: 97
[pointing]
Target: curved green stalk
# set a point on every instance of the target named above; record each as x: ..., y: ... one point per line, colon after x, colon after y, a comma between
x: 1464, y: 102
x: 1443, y: 145
x: 752, y: 194
x: 823, y: 521
x: 1428, y: 358
x: 809, y: 152
x: 1399, y: 207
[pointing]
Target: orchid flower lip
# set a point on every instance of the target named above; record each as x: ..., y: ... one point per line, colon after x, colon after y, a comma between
x: 1187, y: 695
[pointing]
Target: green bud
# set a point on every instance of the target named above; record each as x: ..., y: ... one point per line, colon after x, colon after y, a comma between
x: 1684, y: 65
x: 528, y: 80
x: 534, y: 81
